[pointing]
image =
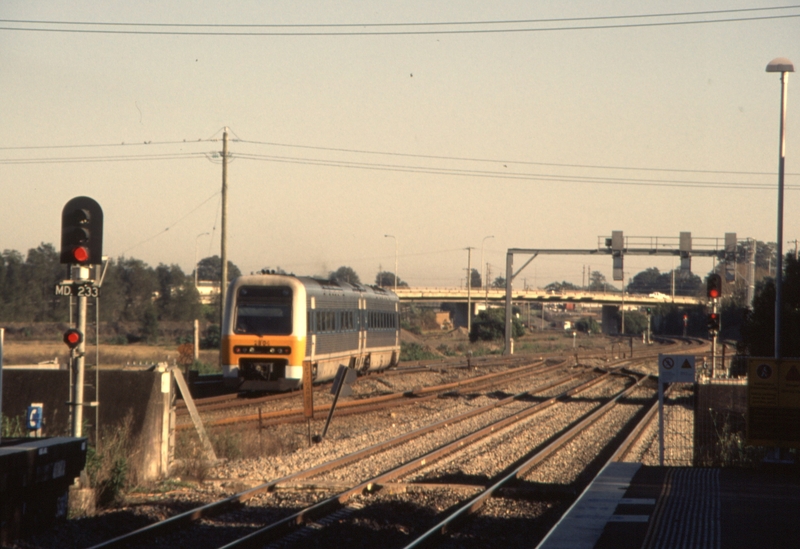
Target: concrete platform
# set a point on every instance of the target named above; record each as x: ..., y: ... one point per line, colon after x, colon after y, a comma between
x: 631, y: 506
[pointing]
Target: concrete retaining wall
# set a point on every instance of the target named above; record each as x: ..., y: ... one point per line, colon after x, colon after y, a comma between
x: 132, y: 398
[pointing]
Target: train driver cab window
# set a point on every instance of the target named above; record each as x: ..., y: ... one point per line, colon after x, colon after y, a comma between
x: 264, y: 310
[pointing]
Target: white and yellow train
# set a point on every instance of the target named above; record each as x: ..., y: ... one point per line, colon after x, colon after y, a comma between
x: 274, y: 323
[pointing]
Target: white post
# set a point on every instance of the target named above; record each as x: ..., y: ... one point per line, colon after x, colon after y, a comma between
x: 196, y: 340
x: 79, y: 356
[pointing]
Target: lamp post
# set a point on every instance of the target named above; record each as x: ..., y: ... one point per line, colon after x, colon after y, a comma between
x: 483, y: 271
x: 783, y: 66
x: 197, y: 238
x: 395, y: 258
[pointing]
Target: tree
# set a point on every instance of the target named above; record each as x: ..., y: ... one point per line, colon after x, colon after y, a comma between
x: 490, y: 325
x: 177, y: 296
x: 475, y: 280
x: 385, y: 279
x: 588, y: 325
x: 561, y: 286
x: 499, y: 282
x: 652, y: 280
x: 139, y: 287
x: 210, y: 268
x: 597, y: 282
x: 15, y: 304
x: 758, y: 327
x: 345, y: 274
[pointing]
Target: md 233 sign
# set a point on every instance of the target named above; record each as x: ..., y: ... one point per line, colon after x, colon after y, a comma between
x: 78, y: 288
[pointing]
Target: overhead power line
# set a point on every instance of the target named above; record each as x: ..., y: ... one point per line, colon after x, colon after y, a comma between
x: 94, y: 159
x: 514, y: 176
x: 502, y: 160
x: 409, y: 28
x: 408, y: 24
x: 172, y: 225
x: 178, y: 156
x: 99, y: 145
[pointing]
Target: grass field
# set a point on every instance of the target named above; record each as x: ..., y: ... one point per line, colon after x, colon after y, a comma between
x: 33, y: 352
x: 451, y: 343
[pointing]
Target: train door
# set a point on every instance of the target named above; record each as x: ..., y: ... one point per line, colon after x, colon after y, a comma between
x: 362, y: 328
x: 311, y: 327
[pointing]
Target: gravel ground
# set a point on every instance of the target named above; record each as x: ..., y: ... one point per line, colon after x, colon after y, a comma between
x: 379, y: 520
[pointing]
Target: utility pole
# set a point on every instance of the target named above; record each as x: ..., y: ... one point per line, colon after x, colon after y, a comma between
x: 623, y: 304
x: 469, y: 290
x: 223, y: 247
x: 486, y: 285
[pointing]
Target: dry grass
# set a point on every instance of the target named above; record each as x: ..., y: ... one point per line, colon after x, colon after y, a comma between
x: 115, y: 356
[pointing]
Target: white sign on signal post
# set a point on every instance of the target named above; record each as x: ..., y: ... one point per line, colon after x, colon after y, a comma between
x: 671, y: 369
x: 676, y: 368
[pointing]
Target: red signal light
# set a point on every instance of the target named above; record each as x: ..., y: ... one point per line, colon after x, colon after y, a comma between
x: 714, y: 287
x: 73, y: 338
x: 80, y: 254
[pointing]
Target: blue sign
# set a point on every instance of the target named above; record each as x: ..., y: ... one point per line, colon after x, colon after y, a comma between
x: 34, y: 421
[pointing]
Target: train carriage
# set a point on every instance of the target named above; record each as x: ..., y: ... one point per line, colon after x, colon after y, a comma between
x: 274, y: 323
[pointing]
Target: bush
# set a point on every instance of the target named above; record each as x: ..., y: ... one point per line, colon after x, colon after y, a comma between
x: 490, y: 325
x: 108, y: 467
x: 204, y: 368
x: 13, y: 427
x: 211, y: 338
x: 149, y: 326
x: 414, y: 351
x: 588, y: 325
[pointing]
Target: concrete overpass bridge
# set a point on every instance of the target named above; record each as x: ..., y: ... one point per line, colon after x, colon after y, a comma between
x: 498, y: 295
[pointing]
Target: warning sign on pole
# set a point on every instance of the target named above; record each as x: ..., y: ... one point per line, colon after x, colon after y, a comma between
x: 676, y: 368
x: 773, y: 402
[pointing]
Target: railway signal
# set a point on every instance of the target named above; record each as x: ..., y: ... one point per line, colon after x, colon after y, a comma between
x: 714, y: 287
x: 73, y: 338
x: 82, y: 232
x: 713, y: 322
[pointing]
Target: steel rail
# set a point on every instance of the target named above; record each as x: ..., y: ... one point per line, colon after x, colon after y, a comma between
x: 478, y: 501
x: 365, y: 405
x: 330, y: 505
x: 236, y: 500
x: 373, y: 400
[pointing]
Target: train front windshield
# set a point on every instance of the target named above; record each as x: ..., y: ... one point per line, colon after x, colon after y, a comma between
x: 264, y: 310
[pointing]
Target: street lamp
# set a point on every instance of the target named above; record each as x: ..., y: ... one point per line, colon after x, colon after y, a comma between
x: 485, y: 238
x: 197, y: 238
x: 783, y: 66
x: 395, y: 258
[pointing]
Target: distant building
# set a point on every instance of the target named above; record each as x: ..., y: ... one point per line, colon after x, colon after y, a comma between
x: 208, y: 290
x: 443, y: 320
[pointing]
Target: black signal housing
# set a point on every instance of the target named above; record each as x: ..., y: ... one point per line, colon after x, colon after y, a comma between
x: 82, y: 232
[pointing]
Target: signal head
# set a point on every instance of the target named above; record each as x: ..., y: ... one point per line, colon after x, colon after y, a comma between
x: 73, y: 338
x: 82, y: 232
x: 714, y: 287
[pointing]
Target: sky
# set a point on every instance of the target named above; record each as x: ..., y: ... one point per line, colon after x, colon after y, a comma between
x: 448, y: 125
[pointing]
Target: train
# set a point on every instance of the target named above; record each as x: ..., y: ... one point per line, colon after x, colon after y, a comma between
x: 273, y: 324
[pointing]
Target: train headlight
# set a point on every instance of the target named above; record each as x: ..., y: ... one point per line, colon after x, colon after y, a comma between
x: 257, y: 350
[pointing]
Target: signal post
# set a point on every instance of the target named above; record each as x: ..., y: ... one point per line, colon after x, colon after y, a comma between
x: 714, y: 292
x: 81, y: 246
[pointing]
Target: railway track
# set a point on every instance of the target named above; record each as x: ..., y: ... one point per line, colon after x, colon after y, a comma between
x: 273, y: 409
x: 588, y: 394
